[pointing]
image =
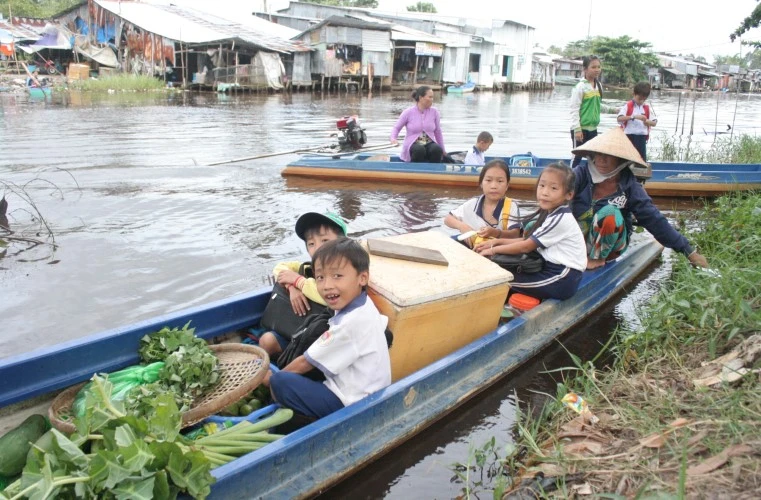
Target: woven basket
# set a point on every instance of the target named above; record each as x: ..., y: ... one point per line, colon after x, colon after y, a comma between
x: 241, y: 368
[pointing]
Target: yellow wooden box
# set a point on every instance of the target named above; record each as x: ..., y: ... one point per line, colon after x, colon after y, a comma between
x: 434, y: 310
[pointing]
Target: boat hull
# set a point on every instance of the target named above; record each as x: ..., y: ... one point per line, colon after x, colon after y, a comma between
x: 309, y: 460
x: 668, y: 179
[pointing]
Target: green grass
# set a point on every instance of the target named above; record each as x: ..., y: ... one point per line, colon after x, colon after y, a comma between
x: 694, y: 318
x: 122, y: 82
x: 738, y: 149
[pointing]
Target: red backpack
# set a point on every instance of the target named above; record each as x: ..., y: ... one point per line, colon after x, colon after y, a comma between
x: 630, y: 111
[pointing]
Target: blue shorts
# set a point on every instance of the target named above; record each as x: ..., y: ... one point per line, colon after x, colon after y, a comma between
x: 281, y: 341
x: 303, y: 395
x: 552, y: 282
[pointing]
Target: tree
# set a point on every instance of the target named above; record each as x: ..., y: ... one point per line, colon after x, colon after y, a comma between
x: 752, y: 21
x: 577, y: 49
x: 422, y: 7
x: 554, y: 49
x: 753, y: 59
x: 370, y: 4
x: 36, y: 8
x: 624, y: 59
x: 735, y: 60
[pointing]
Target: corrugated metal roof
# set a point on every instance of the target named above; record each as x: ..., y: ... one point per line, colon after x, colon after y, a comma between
x: 21, y: 31
x: 190, y: 26
x: 399, y: 32
x: 348, y: 22
x: 675, y: 71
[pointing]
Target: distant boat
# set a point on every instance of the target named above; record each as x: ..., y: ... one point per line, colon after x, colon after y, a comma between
x: 566, y: 80
x: 461, y: 88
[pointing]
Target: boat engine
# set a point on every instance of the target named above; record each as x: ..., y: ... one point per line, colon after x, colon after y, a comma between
x: 350, y: 134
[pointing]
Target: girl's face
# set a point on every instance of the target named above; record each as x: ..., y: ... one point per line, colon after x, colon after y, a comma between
x: 594, y: 69
x: 550, y: 190
x: 494, y: 184
x: 426, y: 101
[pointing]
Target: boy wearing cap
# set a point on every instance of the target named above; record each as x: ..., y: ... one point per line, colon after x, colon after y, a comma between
x: 315, y: 229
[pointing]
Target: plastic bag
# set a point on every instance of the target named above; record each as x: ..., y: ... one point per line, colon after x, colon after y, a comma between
x: 122, y: 381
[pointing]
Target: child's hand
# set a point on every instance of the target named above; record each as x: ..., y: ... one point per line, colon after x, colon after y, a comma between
x: 266, y: 379
x: 486, y: 247
x: 643, y: 118
x: 579, y: 136
x: 299, y: 302
x: 489, y: 232
x: 287, y: 277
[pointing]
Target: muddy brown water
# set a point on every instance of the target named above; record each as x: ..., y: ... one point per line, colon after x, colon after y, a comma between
x: 144, y: 227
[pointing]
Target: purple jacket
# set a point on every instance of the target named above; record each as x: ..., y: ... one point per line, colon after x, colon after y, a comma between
x: 417, y: 122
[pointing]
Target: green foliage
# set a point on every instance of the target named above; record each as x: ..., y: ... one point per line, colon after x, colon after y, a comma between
x: 624, y: 60
x: 370, y: 4
x: 734, y: 60
x: 578, y: 49
x: 422, y: 7
x: 742, y: 149
x: 752, y: 21
x: 554, y: 49
x: 37, y: 8
x: 121, y: 82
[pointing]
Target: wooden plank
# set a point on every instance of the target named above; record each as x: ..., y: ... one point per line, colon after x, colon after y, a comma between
x: 406, y: 252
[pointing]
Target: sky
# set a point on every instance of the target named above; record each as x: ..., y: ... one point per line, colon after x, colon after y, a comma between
x: 700, y: 27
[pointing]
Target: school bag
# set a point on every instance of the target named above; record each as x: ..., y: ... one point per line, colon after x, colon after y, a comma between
x: 630, y: 111
x: 279, y: 316
x: 311, y: 330
x: 526, y: 263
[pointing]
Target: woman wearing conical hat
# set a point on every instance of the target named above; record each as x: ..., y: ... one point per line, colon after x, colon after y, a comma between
x: 608, y: 197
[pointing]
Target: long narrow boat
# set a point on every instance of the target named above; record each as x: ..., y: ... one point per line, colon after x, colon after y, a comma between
x: 668, y: 178
x: 312, y: 458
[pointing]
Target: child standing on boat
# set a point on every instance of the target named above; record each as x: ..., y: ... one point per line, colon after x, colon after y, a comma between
x: 586, y: 105
x: 353, y: 353
x: 297, y: 278
x: 476, y: 155
x: 492, y: 214
x: 636, y: 118
x: 555, y: 234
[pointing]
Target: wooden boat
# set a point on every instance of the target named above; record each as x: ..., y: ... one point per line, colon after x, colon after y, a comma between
x: 312, y: 458
x: 668, y: 178
x: 462, y: 88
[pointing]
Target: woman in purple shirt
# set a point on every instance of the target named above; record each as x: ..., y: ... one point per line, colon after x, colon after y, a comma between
x: 423, y: 142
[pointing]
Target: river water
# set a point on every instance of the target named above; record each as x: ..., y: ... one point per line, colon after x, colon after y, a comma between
x: 144, y: 227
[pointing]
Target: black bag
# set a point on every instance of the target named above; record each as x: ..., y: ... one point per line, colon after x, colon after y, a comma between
x: 311, y: 330
x: 279, y: 315
x: 526, y: 263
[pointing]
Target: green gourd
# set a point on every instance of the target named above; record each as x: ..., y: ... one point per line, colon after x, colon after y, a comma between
x: 15, y: 444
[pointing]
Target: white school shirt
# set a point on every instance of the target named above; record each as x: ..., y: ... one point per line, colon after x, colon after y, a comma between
x: 471, y: 212
x: 561, y: 241
x: 474, y: 157
x: 636, y: 127
x: 353, y: 353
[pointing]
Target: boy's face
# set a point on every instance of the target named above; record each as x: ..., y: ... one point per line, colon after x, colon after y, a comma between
x: 318, y: 237
x: 483, y: 146
x: 339, y: 282
x: 639, y: 99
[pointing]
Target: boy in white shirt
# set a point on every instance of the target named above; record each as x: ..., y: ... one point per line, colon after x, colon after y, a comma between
x: 476, y: 154
x: 636, y: 118
x: 353, y: 353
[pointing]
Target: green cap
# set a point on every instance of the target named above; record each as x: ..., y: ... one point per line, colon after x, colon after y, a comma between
x: 313, y: 219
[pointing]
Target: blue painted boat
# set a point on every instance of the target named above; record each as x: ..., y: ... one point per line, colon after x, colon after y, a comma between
x: 310, y: 459
x: 463, y: 88
x: 668, y: 178
x: 39, y: 92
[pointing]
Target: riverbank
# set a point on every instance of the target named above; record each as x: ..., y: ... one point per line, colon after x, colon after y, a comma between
x: 677, y: 413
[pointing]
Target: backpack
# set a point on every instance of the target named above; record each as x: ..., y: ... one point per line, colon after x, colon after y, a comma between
x: 279, y: 316
x: 311, y: 330
x: 526, y: 263
x: 630, y: 111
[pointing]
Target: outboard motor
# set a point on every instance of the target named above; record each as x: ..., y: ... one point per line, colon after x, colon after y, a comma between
x: 351, y: 135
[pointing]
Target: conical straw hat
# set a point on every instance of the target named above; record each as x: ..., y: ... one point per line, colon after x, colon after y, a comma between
x: 612, y: 142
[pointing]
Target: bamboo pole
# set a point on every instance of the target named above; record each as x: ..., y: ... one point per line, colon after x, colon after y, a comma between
x: 678, y: 108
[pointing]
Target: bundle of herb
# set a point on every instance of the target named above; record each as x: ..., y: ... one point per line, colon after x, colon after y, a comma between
x: 190, y: 369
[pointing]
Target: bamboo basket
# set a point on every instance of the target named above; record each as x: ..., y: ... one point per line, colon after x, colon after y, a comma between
x: 241, y: 369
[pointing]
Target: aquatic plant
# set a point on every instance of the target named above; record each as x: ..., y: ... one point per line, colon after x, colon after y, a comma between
x: 120, y: 82
x: 739, y: 149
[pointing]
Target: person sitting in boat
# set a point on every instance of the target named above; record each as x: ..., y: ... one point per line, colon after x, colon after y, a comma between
x: 608, y: 196
x: 315, y: 230
x: 553, y: 233
x: 353, y: 353
x: 476, y: 155
x: 492, y: 214
x: 423, y: 142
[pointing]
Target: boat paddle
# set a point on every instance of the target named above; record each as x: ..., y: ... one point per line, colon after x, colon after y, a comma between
x: 267, y: 155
